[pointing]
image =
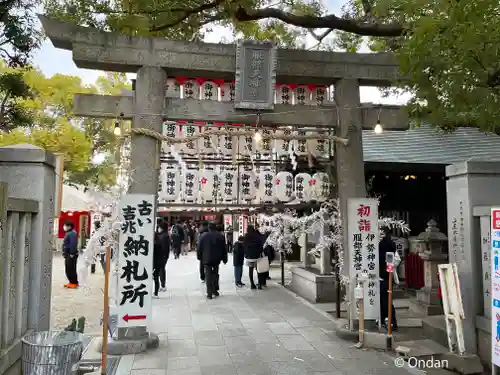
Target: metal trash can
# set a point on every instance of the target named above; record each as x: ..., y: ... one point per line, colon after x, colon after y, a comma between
x: 51, y: 353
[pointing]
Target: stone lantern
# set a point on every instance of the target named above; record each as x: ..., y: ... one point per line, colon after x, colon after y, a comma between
x: 435, y: 253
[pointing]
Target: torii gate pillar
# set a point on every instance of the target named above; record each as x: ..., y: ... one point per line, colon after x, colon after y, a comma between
x: 149, y: 103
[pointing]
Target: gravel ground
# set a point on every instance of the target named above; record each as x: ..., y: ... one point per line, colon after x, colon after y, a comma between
x: 73, y: 303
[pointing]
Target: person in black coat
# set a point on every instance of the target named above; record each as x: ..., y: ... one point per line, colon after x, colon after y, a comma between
x: 203, y: 229
x: 161, y: 251
x: 238, y: 260
x: 385, y: 246
x: 253, y: 245
x: 212, y: 250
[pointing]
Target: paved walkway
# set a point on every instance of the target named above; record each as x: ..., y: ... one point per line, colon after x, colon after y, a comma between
x: 244, y: 332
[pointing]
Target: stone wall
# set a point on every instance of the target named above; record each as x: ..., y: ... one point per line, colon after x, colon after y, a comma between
x: 27, y: 187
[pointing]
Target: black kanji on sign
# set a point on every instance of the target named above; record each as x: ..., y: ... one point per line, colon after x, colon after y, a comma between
x: 370, y: 237
x: 135, y: 246
x: 131, y: 294
x: 129, y: 217
x: 371, y: 266
x: 131, y: 272
x: 145, y: 208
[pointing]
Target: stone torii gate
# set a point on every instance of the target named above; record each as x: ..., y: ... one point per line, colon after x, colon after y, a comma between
x: 155, y: 58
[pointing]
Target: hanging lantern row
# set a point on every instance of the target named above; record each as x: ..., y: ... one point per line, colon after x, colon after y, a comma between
x: 206, y: 186
x: 229, y: 145
x: 220, y: 90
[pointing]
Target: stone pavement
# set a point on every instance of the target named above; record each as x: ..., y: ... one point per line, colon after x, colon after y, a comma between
x: 245, y: 332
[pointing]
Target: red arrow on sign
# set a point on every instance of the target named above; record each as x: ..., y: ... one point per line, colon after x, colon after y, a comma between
x: 134, y: 317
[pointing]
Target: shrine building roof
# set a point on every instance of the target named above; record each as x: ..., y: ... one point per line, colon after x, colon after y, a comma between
x: 428, y: 145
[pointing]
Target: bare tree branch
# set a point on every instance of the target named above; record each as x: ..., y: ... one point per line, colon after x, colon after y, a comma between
x: 186, y: 13
x: 330, y: 21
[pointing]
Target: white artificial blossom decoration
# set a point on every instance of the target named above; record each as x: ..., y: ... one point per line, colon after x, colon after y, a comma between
x: 291, y: 154
x: 283, y: 229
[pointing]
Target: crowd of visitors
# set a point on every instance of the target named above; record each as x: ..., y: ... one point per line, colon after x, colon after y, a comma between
x: 212, y: 245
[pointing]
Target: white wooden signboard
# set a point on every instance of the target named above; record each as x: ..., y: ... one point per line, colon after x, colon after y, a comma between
x: 495, y: 286
x: 363, y: 232
x: 135, y: 265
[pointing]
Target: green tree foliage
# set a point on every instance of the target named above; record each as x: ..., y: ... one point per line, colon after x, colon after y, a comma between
x: 19, y: 35
x: 448, y: 50
x: 53, y: 126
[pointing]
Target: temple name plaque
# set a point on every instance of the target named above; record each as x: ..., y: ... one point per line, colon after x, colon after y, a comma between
x: 255, y: 75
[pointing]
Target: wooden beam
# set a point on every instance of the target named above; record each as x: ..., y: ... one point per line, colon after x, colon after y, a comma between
x: 103, y: 106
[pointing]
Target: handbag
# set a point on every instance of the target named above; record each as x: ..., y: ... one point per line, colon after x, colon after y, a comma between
x: 262, y: 265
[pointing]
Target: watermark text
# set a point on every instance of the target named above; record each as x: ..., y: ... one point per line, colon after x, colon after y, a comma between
x: 421, y: 364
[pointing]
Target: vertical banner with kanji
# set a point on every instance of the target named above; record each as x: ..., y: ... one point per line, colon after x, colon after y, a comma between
x: 135, y: 266
x: 364, y: 236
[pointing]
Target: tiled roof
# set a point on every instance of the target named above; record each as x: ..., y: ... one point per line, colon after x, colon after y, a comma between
x: 428, y: 145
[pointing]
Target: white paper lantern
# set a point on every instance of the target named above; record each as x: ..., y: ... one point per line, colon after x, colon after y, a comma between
x: 247, y: 185
x: 206, y: 178
x: 303, y: 187
x: 229, y: 184
x: 265, y: 189
x: 300, y: 145
x: 246, y: 145
x: 208, y: 144
x: 280, y: 145
x: 191, y: 185
x: 284, y: 186
x: 170, y: 129
x: 319, y: 148
x: 264, y: 147
x: 191, y: 146
x: 227, y: 143
x: 170, y: 184
x: 321, y: 186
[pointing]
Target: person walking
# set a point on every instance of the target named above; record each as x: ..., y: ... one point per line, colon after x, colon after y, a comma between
x: 199, y: 255
x: 238, y: 260
x: 177, y: 238
x: 161, y: 251
x: 229, y: 238
x: 192, y: 237
x: 212, y: 248
x: 385, y: 246
x: 269, y: 252
x: 253, y: 247
x: 70, y: 254
x: 186, y: 244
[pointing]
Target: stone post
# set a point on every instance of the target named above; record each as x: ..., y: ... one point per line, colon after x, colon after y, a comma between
x: 149, y: 102
x: 427, y: 300
x: 469, y: 184
x: 304, y: 250
x: 349, y: 159
x: 30, y: 173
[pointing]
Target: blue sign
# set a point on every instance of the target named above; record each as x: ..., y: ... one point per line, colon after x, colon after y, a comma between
x: 496, y: 303
x: 497, y: 233
x: 496, y: 244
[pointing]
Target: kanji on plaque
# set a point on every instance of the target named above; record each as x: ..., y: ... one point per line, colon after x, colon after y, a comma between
x: 363, y: 232
x: 135, y: 268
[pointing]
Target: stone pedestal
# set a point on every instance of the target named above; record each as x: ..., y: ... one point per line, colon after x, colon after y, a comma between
x: 427, y: 300
x: 311, y: 285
